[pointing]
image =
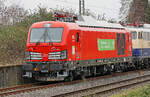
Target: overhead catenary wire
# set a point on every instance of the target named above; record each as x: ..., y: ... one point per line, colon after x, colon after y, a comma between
x: 87, y: 5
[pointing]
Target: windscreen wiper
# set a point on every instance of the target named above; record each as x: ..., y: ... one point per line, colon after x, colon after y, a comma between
x: 49, y: 37
x: 38, y: 42
x: 44, y: 36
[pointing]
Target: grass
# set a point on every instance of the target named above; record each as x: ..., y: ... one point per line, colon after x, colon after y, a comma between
x: 136, y: 92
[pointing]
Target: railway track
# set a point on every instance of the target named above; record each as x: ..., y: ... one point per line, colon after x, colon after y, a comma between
x: 95, y: 90
x: 107, y: 89
x: 12, y: 90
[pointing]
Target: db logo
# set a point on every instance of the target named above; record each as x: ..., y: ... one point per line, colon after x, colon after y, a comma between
x: 31, y: 48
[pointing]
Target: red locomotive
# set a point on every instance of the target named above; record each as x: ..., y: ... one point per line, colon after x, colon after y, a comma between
x: 64, y: 51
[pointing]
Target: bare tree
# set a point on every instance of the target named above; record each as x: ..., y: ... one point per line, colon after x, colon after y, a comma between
x: 15, y: 14
x: 125, y: 7
x: 102, y: 17
x: 11, y: 14
x: 2, y: 8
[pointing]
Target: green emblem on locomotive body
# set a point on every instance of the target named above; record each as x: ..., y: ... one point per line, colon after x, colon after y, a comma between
x: 106, y: 44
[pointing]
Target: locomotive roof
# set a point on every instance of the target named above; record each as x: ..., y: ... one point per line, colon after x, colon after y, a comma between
x: 138, y: 29
x: 146, y: 26
x: 88, y: 21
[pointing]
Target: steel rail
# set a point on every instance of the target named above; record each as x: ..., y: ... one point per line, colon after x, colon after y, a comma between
x: 18, y: 87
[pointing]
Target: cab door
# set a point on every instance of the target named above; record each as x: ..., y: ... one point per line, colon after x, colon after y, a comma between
x: 76, y: 45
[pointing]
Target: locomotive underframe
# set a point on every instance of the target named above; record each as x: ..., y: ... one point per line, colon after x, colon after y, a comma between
x: 54, y: 71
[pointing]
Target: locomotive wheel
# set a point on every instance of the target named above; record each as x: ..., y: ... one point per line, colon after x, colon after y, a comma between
x: 69, y: 78
x: 138, y: 67
x: 82, y: 76
x: 109, y: 72
x: 109, y: 69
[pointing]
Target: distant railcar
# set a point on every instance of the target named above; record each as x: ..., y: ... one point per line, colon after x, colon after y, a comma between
x: 141, y: 45
x: 64, y: 51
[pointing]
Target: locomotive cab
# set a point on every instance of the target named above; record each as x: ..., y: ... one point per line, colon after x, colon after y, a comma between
x: 46, y: 52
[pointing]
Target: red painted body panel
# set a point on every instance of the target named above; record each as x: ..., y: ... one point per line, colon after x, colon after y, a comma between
x: 86, y: 48
x: 90, y: 48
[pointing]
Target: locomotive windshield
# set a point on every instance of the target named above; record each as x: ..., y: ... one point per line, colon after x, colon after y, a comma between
x: 46, y: 35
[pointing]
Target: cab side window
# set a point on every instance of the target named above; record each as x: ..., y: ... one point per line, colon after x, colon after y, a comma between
x: 148, y: 35
x: 140, y: 35
x: 134, y: 34
x: 77, y: 37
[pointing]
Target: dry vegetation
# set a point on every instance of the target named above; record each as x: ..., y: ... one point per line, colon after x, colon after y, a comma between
x: 14, y: 29
x: 136, y: 92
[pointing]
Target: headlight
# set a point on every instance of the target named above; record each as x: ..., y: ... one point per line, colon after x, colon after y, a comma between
x: 58, y: 55
x: 33, y: 56
x: 63, y: 54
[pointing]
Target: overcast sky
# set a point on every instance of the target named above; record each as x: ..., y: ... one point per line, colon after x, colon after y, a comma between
x: 110, y: 7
